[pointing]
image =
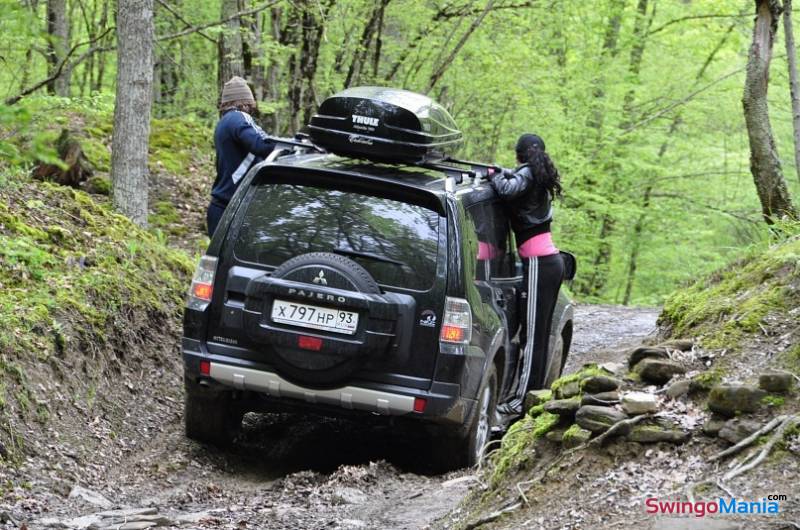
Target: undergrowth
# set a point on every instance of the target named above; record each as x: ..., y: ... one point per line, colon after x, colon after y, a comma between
x: 728, y: 305
x: 71, y: 270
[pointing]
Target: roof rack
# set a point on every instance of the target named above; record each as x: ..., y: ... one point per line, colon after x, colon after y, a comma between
x: 477, y: 170
x: 449, y: 166
x: 300, y: 140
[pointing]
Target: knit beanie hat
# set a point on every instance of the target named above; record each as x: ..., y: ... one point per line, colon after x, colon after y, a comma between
x: 526, y: 141
x: 236, y: 90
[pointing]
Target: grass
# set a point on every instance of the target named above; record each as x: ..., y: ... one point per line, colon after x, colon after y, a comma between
x: 727, y: 306
x: 72, y: 275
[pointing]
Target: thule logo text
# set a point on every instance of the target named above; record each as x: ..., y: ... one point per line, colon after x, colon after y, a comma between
x: 365, y: 120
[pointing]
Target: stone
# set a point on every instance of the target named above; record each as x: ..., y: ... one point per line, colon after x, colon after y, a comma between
x: 563, y: 407
x: 730, y: 399
x: 534, y: 398
x: 555, y: 435
x: 603, y: 398
x: 575, y: 436
x: 600, y: 383
x: 346, y: 495
x: 658, y: 371
x: 657, y: 433
x: 598, y: 419
x: 92, y: 497
x: 634, y: 403
x: 677, y: 344
x: 136, y: 525
x: 612, y: 367
x: 51, y: 522
x: 736, y: 430
x: 646, y: 352
x: 679, y: 388
x: 129, y: 512
x: 713, y: 425
x: 776, y: 381
x: 568, y: 390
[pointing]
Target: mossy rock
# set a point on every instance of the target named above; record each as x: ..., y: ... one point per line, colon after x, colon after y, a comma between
x: 99, y: 185
x: 570, y: 385
x: 575, y: 436
x: 705, y: 381
x: 729, y: 400
x: 598, y: 419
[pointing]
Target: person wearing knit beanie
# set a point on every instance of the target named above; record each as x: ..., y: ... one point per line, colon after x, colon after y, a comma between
x: 240, y: 144
x: 236, y: 92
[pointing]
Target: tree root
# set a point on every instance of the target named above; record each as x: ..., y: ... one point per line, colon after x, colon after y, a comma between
x: 775, y: 438
x: 749, y: 440
x: 492, y: 516
x: 614, y: 429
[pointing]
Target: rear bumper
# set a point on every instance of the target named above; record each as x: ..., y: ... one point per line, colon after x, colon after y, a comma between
x: 348, y: 397
x: 443, y: 402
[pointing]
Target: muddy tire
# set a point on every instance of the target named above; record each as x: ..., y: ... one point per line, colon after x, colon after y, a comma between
x: 211, y: 416
x: 456, y: 452
x: 557, y: 361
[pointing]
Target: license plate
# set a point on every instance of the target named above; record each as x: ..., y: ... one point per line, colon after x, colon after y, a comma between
x: 311, y: 316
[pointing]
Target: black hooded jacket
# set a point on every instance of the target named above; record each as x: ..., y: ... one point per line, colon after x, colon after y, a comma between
x: 529, y: 205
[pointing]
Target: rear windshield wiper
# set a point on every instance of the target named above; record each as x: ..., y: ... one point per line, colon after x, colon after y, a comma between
x: 368, y: 255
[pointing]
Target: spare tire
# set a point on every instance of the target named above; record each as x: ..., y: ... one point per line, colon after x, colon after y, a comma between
x: 328, y: 270
x: 322, y: 269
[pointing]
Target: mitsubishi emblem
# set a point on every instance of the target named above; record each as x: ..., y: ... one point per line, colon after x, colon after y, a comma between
x: 320, y: 279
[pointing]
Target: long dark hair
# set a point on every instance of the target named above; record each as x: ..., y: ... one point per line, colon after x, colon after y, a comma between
x: 531, y: 152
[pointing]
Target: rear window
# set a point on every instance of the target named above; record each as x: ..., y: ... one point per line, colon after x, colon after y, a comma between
x: 396, y: 242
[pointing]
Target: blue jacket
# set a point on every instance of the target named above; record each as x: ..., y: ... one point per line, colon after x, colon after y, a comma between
x: 240, y: 144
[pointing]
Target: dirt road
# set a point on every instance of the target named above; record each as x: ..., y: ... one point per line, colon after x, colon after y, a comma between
x: 291, y: 472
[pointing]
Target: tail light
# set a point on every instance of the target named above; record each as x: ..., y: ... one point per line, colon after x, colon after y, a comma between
x: 456, y: 325
x: 202, y: 284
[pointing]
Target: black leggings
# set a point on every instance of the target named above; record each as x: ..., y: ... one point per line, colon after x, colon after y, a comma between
x: 542, y: 280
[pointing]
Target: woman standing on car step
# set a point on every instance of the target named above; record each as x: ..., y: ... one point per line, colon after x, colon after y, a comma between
x: 528, y: 193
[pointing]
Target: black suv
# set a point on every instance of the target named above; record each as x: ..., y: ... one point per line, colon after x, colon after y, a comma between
x: 339, y: 285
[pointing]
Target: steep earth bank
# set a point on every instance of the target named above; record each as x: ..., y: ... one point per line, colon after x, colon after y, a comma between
x: 285, y: 471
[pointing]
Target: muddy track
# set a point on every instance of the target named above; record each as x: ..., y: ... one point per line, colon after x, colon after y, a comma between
x: 290, y: 471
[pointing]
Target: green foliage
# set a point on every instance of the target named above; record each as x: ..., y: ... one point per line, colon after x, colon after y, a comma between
x: 587, y: 370
x: 517, y: 446
x: 69, y: 269
x: 729, y: 304
x: 653, y: 156
x: 704, y: 381
x: 773, y: 401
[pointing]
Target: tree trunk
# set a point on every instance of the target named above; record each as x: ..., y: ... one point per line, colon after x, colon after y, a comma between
x: 58, y: 44
x: 101, y: 56
x: 791, y: 56
x: 765, y: 164
x: 638, y: 227
x: 273, y: 72
x: 129, y: 174
x: 602, y: 261
x: 231, y: 53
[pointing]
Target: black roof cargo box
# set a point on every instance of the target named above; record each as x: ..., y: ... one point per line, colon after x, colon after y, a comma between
x: 385, y: 124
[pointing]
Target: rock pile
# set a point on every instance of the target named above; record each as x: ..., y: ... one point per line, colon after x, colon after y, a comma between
x: 663, y: 383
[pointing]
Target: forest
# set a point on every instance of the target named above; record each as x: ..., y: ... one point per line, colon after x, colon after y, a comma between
x: 670, y: 371
x: 640, y: 103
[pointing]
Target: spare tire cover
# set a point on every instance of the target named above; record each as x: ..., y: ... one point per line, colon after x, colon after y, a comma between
x: 322, y: 269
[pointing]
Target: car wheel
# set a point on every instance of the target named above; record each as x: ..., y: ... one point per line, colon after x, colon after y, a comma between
x: 556, y: 361
x: 211, y: 416
x: 455, y: 452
